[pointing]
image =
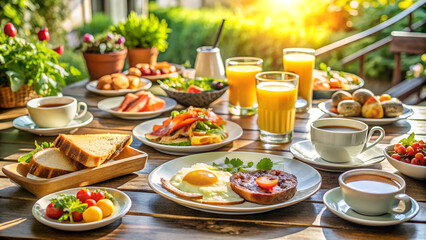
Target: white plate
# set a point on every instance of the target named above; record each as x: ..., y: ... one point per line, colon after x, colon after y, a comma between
x: 25, y: 123
x: 108, y: 104
x: 333, y: 199
x: 234, y: 130
x: 122, y: 204
x: 91, y: 86
x: 305, y: 152
x: 309, y: 180
x: 327, y: 105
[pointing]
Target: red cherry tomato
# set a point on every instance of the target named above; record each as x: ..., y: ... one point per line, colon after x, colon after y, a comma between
x: 43, y: 34
x: 415, y: 145
x: 410, y: 151
x: 90, y: 202
x: 415, y: 161
x: 53, y: 212
x: 76, y: 216
x: 401, y: 150
x: 396, y: 156
x: 194, y: 89
x: 267, y: 183
x: 398, y: 145
x: 419, y: 156
x: 406, y: 160
x: 98, y: 196
x: 10, y: 30
x: 84, y: 194
x: 423, y: 162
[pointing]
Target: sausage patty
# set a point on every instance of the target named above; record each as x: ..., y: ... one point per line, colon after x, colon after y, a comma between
x: 244, y: 183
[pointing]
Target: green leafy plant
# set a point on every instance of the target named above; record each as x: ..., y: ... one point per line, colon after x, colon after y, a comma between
x: 27, y: 157
x: 143, y: 32
x: 235, y: 165
x: 104, y: 43
x: 33, y: 63
x: 69, y: 204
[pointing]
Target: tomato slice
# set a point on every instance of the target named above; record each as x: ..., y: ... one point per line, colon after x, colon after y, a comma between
x: 194, y: 89
x: 267, y: 183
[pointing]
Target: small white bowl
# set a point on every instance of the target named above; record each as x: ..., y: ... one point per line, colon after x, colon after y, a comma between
x: 411, y: 170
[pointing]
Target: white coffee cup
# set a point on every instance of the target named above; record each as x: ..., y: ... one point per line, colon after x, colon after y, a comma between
x: 341, y: 146
x: 62, y: 114
x: 375, y: 203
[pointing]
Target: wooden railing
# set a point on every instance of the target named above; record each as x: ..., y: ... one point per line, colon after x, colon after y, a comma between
x: 369, y: 32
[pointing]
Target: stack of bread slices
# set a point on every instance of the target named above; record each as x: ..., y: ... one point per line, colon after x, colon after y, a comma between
x: 75, y: 152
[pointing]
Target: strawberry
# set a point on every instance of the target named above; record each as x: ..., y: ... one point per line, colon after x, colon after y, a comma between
x: 10, y: 30
x: 59, y: 50
x: 43, y: 34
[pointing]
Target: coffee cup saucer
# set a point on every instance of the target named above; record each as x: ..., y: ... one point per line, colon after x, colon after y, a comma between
x: 25, y: 123
x: 333, y: 199
x: 305, y: 152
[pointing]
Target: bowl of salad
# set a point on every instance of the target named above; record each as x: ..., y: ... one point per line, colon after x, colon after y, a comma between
x: 194, y: 92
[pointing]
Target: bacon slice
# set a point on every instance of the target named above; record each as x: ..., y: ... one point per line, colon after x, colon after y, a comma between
x: 129, y: 98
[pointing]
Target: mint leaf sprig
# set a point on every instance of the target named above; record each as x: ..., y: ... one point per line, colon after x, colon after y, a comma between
x: 69, y: 204
x: 409, y: 140
x: 27, y: 157
x: 235, y: 165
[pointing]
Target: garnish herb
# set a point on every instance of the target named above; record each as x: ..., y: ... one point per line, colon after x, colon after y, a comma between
x: 27, y: 157
x: 235, y: 165
x: 409, y: 140
x: 69, y: 204
x: 207, y: 84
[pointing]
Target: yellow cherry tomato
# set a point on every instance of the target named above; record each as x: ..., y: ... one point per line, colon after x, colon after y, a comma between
x: 385, y: 97
x: 106, y: 206
x: 92, y: 214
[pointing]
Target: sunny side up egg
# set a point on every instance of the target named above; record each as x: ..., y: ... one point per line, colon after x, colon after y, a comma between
x: 206, y: 180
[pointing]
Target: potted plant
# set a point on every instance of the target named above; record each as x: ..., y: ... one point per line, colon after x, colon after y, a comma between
x: 29, y: 69
x: 145, y: 37
x: 104, y: 55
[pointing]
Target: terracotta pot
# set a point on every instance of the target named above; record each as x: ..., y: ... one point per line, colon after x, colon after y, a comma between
x: 143, y: 55
x: 103, y: 64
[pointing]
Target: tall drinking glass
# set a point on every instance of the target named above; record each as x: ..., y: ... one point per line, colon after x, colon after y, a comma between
x: 301, y: 61
x: 241, y: 72
x: 276, y: 96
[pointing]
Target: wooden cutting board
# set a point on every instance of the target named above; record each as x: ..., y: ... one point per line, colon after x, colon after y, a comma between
x: 128, y: 161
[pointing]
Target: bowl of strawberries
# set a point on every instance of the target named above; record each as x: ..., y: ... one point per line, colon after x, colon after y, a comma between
x: 408, y: 156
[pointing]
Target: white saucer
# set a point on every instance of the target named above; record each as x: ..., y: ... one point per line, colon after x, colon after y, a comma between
x: 107, y: 105
x: 25, y: 123
x: 333, y: 199
x: 305, y: 152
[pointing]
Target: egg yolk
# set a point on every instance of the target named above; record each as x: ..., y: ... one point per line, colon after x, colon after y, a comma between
x: 200, y: 178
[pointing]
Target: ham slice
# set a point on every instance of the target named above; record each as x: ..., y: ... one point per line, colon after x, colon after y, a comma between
x: 138, y: 104
x: 129, y: 98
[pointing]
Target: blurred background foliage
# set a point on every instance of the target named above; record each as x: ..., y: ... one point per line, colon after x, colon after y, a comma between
x: 260, y: 28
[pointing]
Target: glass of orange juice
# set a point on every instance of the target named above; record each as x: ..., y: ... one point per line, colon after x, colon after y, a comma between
x: 241, y: 72
x: 276, y: 96
x: 301, y: 61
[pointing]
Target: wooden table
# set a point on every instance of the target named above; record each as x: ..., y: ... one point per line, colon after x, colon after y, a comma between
x: 154, y: 217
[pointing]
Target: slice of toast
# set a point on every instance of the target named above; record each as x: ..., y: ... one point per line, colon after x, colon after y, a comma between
x: 51, y: 162
x: 92, y: 150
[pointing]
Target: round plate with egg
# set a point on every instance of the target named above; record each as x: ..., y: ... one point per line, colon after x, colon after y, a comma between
x: 234, y: 130
x: 107, y: 105
x: 327, y: 105
x: 309, y: 181
x: 91, y: 86
x: 122, y: 205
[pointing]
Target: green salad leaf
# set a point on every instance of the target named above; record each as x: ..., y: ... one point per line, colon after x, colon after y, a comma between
x: 181, y: 84
x: 409, y: 140
x: 235, y: 165
x: 27, y: 157
x: 69, y: 204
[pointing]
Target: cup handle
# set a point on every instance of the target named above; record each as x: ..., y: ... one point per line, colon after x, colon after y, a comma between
x: 407, y: 203
x: 81, y: 114
x: 372, y: 130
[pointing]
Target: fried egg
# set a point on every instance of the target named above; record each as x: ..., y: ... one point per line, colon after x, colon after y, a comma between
x: 208, y: 181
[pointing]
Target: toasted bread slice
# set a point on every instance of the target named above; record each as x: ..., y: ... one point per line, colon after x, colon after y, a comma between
x: 92, y: 150
x: 51, y: 162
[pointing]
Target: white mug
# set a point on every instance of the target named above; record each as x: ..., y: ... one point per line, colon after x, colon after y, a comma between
x: 375, y: 203
x: 52, y: 116
x: 336, y: 146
